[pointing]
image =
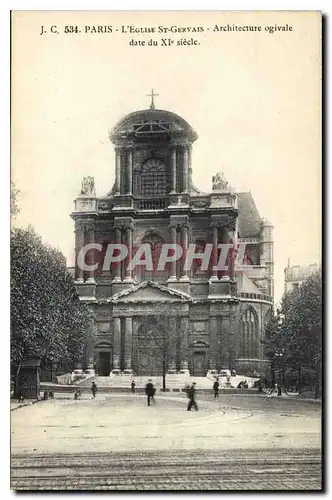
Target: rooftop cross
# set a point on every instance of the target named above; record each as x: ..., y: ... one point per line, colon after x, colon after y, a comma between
x: 152, y: 95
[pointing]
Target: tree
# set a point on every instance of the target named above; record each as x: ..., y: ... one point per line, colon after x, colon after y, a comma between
x: 47, y: 318
x: 294, y: 333
x: 162, y: 338
x: 14, y: 194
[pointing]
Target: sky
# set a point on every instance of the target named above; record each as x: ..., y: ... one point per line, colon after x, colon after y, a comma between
x: 254, y: 99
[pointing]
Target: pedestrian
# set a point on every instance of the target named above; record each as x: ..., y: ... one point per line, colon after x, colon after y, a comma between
x: 216, y: 388
x: 94, y: 389
x: 191, y: 395
x: 133, y: 386
x: 150, y: 391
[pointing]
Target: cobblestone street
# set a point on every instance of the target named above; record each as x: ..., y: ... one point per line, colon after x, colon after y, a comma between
x: 117, y: 442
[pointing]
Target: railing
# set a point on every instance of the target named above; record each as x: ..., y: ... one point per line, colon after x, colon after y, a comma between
x: 257, y: 296
x: 152, y: 204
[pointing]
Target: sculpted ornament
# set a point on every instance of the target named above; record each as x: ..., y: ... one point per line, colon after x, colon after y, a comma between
x: 219, y: 183
x: 88, y: 186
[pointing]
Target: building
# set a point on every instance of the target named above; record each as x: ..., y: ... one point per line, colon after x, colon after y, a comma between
x: 217, y: 318
x: 296, y: 275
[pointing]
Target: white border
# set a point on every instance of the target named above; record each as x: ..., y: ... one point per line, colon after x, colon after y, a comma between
x: 323, y: 5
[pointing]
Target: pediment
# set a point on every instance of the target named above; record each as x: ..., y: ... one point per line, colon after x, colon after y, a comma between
x: 149, y: 292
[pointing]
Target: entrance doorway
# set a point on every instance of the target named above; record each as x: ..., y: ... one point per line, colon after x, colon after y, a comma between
x: 104, y: 364
x: 151, y: 349
x: 199, y: 364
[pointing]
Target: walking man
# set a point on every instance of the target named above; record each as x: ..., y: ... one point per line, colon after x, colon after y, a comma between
x: 216, y: 388
x: 133, y: 386
x: 94, y: 389
x: 191, y: 395
x: 149, y: 391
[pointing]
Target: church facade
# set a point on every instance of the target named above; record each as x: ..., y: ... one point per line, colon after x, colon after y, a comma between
x: 215, y: 318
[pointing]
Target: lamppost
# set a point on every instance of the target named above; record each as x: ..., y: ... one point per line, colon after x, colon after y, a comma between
x: 279, y: 356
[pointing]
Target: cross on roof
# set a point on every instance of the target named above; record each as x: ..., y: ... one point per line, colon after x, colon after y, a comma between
x: 152, y: 95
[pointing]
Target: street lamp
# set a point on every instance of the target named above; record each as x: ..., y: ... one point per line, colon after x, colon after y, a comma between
x: 279, y: 356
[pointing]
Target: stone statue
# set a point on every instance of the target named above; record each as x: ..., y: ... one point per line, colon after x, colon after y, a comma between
x: 219, y: 183
x: 88, y: 186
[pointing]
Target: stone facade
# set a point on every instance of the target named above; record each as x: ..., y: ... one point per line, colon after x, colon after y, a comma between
x: 216, y: 318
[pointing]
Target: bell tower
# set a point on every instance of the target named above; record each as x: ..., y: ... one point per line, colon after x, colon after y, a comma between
x: 153, y: 158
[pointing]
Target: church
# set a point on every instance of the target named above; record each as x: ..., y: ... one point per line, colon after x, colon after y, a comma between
x: 215, y: 319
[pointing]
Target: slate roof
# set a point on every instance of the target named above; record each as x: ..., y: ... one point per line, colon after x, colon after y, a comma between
x: 249, y: 219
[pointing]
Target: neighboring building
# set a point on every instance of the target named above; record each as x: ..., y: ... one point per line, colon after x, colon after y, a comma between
x: 221, y: 317
x: 296, y: 275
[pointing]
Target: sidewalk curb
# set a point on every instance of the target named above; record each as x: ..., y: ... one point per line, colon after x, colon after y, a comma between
x: 29, y: 403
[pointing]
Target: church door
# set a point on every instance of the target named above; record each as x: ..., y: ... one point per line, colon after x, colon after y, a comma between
x: 150, y: 350
x: 199, y: 364
x: 104, y: 365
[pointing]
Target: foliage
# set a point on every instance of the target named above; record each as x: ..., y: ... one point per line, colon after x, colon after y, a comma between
x: 14, y: 194
x: 47, y: 318
x: 293, y: 336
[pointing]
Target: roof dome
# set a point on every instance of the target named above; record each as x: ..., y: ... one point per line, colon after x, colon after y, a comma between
x: 149, y: 123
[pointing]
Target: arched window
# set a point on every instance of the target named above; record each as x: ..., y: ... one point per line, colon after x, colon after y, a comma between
x: 248, y: 338
x: 153, y: 179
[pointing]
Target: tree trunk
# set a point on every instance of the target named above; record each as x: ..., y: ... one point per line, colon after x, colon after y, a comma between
x: 16, y: 388
x: 300, y: 380
x: 165, y: 359
x: 317, y: 384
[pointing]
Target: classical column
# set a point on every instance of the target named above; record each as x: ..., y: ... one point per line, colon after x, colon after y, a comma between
x: 130, y: 171
x: 79, y: 243
x: 173, y: 167
x: 117, y: 268
x: 213, y: 352
x: 116, y: 343
x: 89, y: 341
x: 232, y: 252
x: 184, y: 343
x: 135, y: 327
x: 172, y: 344
x: 180, y: 261
x: 185, y: 170
x: 189, y: 166
x: 117, y: 170
x: 214, y: 273
x: 184, y: 234
x: 173, y: 276
x: 129, y: 243
x: 128, y: 343
x: 90, y: 232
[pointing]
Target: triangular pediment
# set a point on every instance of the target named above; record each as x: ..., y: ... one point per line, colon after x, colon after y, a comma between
x: 148, y: 291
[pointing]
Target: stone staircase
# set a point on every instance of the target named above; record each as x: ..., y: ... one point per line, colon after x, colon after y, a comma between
x: 173, y: 382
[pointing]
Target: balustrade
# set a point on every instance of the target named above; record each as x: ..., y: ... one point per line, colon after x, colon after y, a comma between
x: 152, y: 204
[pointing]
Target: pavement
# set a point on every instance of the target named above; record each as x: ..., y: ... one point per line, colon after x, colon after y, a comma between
x: 115, y: 441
